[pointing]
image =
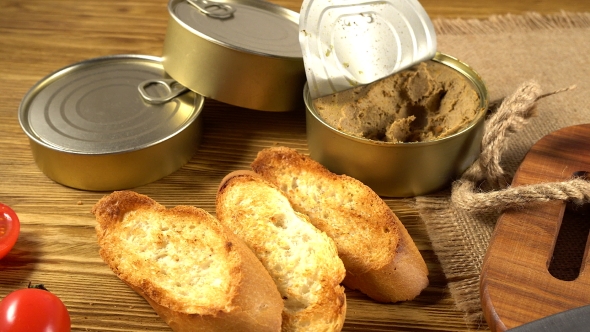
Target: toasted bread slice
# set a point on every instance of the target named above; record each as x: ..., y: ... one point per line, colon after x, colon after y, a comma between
x: 196, y: 274
x: 302, y: 260
x: 380, y: 257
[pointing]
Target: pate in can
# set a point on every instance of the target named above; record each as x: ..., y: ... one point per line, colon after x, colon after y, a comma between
x: 93, y: 125
x: 406, y: 168
x: 383, y: 106
x: 241, y: 52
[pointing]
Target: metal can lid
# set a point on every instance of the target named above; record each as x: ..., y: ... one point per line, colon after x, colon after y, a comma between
x: 95, y: 107
x: 349, y: 42
x: 246, y: 25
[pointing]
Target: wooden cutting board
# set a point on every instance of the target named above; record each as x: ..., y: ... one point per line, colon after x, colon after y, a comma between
x: 516, y: 283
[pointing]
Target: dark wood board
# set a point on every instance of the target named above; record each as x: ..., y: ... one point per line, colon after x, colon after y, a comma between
x: 518, y: 283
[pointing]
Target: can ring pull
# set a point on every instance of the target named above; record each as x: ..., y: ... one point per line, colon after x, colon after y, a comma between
x: 223, y: 10
x: 173, y: 90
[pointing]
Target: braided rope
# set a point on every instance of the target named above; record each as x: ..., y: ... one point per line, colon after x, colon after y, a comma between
x: 510, y: 117
x: 576, y: 190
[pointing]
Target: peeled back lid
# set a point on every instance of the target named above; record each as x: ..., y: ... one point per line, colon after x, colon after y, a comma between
x: 346, y: 43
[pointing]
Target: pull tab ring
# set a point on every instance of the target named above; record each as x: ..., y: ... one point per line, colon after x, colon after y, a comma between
x: 173, y: 90
x: 223, y: 11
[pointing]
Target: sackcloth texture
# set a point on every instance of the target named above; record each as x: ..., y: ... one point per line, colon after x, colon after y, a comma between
x: 507, y: 51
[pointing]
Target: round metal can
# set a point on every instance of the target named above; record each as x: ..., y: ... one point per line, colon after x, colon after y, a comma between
x: 90, y: 128
x: 400, y: 169
x: 241, y: 52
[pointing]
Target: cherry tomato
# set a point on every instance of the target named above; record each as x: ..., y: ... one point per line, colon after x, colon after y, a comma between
x: 9, y: 229
x: 33, y: 310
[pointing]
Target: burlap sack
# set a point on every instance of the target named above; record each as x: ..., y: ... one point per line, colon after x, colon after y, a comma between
x: 554, y: 51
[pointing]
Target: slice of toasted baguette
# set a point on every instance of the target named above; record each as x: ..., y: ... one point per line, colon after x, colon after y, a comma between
x: 302, y: 260
x: 196, y: 274
x: 380, y: 257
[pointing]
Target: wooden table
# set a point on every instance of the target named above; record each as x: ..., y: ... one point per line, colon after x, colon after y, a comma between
x: 57, y: 245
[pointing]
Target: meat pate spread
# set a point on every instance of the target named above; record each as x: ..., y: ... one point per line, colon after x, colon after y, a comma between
x: 426, y: 102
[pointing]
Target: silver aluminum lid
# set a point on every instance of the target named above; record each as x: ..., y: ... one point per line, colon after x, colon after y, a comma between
x: 349, y: 42
x: 246, y: 25
x: 95, y: 107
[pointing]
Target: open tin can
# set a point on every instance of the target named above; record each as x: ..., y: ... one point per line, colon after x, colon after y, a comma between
x: 90, y: 128
x: 241, y: 52
x: 400, y: 169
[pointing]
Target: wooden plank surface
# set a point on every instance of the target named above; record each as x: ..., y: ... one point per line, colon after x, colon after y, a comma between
x: 57, y: 245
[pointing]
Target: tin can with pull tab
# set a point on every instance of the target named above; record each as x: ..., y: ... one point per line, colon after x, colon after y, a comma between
x: 111, y: 123
x: 241, y: 52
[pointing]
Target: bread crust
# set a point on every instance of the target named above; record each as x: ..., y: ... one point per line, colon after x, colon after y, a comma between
x: 247, y: 300
x: 380, y: 257
x: 401, y: 280
x: 302, y: 260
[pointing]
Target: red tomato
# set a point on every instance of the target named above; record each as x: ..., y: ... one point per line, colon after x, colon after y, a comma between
x: 9, y: 229
x: 33, y: 310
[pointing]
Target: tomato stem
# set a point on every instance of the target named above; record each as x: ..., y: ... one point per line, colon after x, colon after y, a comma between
x: 38, y: 286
